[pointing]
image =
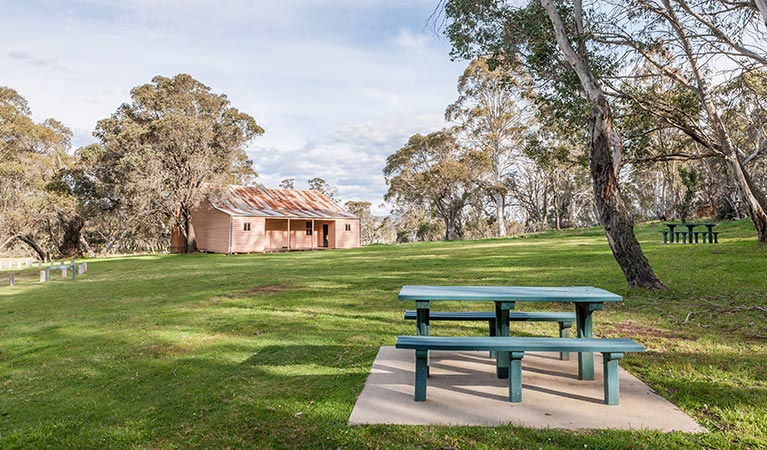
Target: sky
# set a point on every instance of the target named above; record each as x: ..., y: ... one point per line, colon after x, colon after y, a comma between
x: 338, y: 85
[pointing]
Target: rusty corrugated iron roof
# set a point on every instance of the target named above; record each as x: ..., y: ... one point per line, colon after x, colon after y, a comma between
x: 281, y: 203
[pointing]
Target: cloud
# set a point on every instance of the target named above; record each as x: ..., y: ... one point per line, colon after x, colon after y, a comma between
x: 350, y: 157
x: 50, y: 63
x: 338, y: 85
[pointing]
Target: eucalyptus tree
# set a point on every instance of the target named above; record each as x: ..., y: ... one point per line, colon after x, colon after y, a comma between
x: 566, y: 67
x: 31, y: 153
x: 435, y: 173
x: 493, y: 116
x: 323, y: 187
x: 702, y: 48
x: 288, y: 183
x: 175, y: 137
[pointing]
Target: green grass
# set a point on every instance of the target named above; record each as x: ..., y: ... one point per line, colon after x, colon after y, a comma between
x: 271, y: 351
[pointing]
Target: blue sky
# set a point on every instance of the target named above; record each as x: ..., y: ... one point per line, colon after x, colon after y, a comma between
x: 337, y: 84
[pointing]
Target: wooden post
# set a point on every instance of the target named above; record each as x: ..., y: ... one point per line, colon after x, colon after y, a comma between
x: 12, y: 280
x: 288, y: 234
x: 314, y: 236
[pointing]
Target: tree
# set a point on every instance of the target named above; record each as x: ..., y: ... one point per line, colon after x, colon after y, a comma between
x: 174, y: 138
x: 30, y: 155
x: 435, y: 173
x: 288, y: 183
x: 494, y: 117
x: 323, y: 187
x: 686, y: 43
x: 520, y: 36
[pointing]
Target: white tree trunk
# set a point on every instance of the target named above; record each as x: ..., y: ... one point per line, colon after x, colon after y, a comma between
x: 500, y: 214
x: 762, y: 5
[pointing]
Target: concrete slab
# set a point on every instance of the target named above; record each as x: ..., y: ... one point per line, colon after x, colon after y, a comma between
x: 463, y: 390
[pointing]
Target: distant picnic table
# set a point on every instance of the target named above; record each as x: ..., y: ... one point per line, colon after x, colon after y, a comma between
x: 672, y: 236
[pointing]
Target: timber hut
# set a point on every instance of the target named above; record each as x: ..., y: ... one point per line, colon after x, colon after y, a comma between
x: 256, y: 219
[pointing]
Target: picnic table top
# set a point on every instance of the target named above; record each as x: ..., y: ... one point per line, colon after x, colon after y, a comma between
x: 578, y: 294
x: 691, y: 224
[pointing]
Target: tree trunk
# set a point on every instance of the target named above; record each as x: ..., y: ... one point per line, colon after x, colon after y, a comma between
x: 70, y: 243
x: 617, y: 222
x: 190, y: 242
x: 752, y: 197
x: 613, y: 215
x: 31, y: 242
x: 500, y: 219
x: 762, y: 6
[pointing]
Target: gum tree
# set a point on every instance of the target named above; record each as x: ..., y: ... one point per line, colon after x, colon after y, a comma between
x: 172, y: 139
x: 567, y: 70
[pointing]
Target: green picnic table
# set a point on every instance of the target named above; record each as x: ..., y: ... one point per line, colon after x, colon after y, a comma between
x: 687, y: 237
x: 587, y: 299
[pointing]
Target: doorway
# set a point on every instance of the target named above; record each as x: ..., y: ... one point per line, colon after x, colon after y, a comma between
x: 325, y: 235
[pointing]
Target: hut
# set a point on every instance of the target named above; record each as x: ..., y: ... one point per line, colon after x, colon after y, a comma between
x: 243, y: 219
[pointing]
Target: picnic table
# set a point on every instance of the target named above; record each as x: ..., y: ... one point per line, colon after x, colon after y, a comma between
x: 687, y: 236
x: 587, y: 299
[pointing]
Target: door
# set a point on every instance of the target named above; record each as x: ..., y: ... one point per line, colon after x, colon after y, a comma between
x: 325, y: 235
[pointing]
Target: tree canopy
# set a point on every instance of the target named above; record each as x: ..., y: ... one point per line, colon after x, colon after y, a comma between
x: 173, y: 138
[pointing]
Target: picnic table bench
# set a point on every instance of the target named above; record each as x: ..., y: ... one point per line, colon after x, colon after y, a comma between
x: 515, y: 347
x: 565, y: 320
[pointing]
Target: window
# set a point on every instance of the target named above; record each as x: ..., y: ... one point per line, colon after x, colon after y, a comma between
x: 308, y: 228
x: 246, y: 226
x: 348, y: 227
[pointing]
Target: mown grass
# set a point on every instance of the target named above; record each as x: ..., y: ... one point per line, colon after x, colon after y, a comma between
x: 271, y: 351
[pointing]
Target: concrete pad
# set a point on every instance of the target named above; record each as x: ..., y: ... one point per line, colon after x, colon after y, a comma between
x: 463, y: 390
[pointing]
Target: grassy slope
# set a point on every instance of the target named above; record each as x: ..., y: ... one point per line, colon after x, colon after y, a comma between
x: 213, y: 351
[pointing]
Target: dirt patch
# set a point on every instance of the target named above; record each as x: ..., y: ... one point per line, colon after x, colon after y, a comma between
x: 269, y: 289
x: 632, y: 329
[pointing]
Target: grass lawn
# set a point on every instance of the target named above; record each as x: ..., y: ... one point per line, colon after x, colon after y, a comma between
x: 271, y: 351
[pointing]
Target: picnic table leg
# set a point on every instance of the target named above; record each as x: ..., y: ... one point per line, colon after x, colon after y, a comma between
x: 583, y: 322
x: 421, y: 373
x: 502, y: 324
x: 493, y: 330
x: 564, y: 332
x: 422, y: 326
x: 515, y: 377
x: 612, y: 388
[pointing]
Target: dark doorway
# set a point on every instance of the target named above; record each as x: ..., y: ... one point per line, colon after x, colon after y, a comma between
x: 325, y: 235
